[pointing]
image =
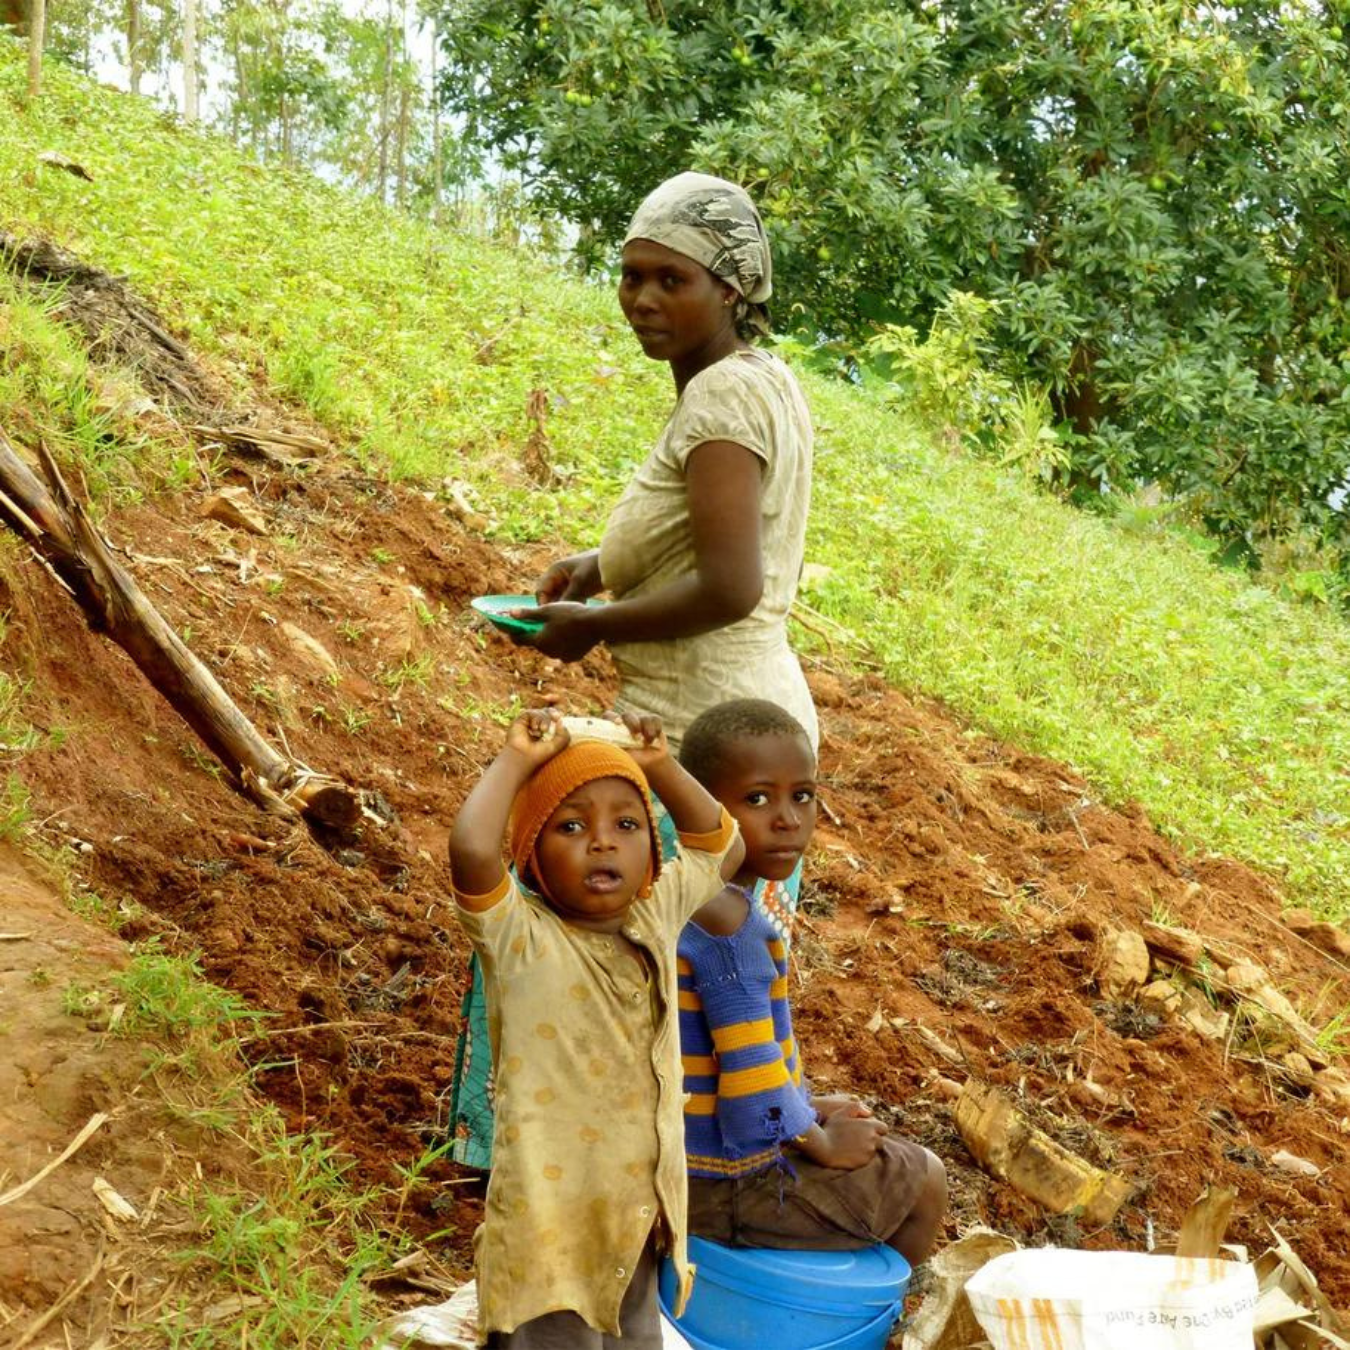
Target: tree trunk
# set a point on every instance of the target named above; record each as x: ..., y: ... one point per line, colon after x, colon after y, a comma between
x: 189, y: 60
x: 404, y: 99
x: 437, y: 169
x: 134, y: 64
x: 404, y: 103
x: 239, y: 92
x: 386, y: 94
x: 37, y: 34
x: 58, y: 529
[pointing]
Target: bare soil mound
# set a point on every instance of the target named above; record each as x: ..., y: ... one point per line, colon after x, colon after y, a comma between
x: 956, y: 885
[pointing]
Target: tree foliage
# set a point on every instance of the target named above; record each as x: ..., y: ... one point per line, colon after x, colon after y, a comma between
x: 1153, y: 198
x: 335, y: 85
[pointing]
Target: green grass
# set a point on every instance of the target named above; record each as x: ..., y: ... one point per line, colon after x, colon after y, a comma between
x: 420, y: 350
x: 292, y: 1250
x: 90, y: 904
x: 281, y: 1241
x: 81, y: 411
x: 17, y: 735
x: 412, y: 670
x: 1221, y: 708
x: 14, y: 806
x: 167, y: 995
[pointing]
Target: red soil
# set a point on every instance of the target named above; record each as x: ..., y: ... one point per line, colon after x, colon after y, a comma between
x: 954, y: 881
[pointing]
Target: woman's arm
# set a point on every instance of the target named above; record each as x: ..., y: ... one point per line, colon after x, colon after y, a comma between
x: 723, y: 481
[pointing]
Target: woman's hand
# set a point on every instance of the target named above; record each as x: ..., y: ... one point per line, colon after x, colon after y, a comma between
x: 574, y: 578
x: 723, y: 481
x: 568, y: 632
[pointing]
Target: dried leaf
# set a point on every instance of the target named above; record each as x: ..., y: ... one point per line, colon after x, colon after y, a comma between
x: 1206, y: 1222
x: 114, y: 1202
x: 946, y: 1320
x: 1003, y: 1141
x: 1291, y: 1162
x: 1274, y: 1309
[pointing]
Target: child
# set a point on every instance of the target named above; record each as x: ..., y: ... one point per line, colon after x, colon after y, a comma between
x: 769, y: 1165
x: 580, y: 980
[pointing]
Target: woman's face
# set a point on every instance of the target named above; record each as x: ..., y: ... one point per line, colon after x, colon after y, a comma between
x: 674, y: 305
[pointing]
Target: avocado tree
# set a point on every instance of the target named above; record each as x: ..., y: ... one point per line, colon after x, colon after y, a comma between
x: 1152, y: 199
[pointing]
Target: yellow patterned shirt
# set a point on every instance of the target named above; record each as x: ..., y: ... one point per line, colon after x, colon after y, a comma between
x: 588, y: 1148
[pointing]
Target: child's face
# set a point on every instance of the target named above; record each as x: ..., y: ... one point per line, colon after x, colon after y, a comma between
x: 768, y: 783
x: 594, y: 852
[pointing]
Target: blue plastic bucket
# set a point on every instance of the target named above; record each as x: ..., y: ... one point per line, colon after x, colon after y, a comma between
x: 746, y: 1298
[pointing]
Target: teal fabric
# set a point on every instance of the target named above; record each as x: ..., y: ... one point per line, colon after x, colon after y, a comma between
x: 471, y: 1092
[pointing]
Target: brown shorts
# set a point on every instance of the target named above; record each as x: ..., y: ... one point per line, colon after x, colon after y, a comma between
x: 822, y: 1208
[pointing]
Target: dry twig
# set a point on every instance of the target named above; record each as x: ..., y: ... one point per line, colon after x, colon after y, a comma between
x: 95, y: 1123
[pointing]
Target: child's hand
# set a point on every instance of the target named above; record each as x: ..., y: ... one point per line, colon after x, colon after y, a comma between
x: 646, y: 729
x: 536, y: 736
x: 476, y: 836
x: 846, y: 1142
x: 840, y: 1104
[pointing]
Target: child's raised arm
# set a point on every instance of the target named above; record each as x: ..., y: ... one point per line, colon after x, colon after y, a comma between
x: 476, y: 836
x: 691, y: 806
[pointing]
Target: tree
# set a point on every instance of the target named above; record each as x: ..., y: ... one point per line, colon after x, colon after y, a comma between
x: 437, y: 158
x: 149, y: 32
x: 71, y: 28
x: 37, y: 28
x: 376, y: 133
x: 135, y: 49
x: 1150, y: 197
x: 288, y: 91
x: 189, y: 60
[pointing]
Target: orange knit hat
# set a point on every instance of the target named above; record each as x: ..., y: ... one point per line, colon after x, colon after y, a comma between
x: 553, y: 783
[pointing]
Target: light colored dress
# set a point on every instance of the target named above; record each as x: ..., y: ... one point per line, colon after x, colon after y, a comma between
x: 752, y: 399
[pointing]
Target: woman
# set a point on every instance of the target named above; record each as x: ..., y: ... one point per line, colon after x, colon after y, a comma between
x: 703, y: 551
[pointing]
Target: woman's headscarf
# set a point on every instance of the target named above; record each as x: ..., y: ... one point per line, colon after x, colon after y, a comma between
x: 715, y: 223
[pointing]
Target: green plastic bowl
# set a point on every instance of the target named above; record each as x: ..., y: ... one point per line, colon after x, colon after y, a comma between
x: 496, y: 610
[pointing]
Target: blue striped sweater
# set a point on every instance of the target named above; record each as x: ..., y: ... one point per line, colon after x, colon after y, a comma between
x: 742, y: 1074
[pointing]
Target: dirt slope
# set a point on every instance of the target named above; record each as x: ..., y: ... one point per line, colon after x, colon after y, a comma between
x: 954, y: 881
x: 78, y: 1114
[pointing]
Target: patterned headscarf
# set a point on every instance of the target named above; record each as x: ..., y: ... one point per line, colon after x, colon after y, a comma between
x: 715, y: 223
x: 552, y: 784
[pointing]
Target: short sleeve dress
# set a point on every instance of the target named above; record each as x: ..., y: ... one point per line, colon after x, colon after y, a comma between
x: 752, y: 399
